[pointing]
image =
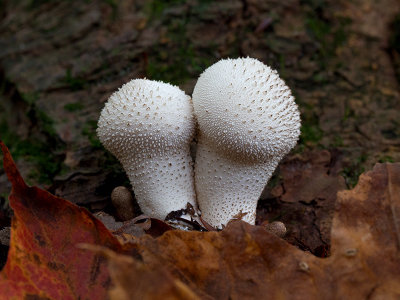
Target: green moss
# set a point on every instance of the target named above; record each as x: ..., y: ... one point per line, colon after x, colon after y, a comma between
x: 348, y: 113
x: 176, y: 68
x: 89, y: 130
x: 73, y: 107
x: 182, y: 61
x: 201, y: 7
x: 42, y: 147
x: 46, y: 123
x: 328, y: 35
x: 41, y: 150
x: 319, y: 30
x: 30, y: 98
x: 156, y: 8
x: 47, y: 163
x: 337, y: 141
x: 5, y: 202
x: 320, y: 78
x: 386, y: 158
x: 75, y: 83
x: 6, y: 135
x: 114, y: 7
x: 352, y: 172
x: 275, y: 180
x: 310, y: 133
x: 176, y: 59
x: 282, y: 68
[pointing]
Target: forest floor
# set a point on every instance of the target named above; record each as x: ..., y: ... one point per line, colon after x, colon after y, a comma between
x: 61, y: 60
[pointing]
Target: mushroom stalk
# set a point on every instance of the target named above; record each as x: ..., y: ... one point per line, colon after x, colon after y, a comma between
x: 162, y: 182
x: 228, y: 187
x: 248, y: 121
x: 148, y: 126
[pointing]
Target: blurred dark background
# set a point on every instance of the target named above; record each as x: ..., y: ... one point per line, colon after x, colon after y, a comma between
x: 60, y: 61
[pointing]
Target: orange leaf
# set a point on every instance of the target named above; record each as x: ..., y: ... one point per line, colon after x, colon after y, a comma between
x: 149, y: 284
x: 248, y: 262
x: 43, y: 259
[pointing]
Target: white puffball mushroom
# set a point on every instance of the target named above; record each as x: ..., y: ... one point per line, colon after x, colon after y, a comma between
x: 148, y: 125
x: 248, y: 120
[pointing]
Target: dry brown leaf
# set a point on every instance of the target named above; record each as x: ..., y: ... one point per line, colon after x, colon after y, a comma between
x: 308, y: 179
x: 245, y: 261
x: 150, y: 283
x: 304, y: 197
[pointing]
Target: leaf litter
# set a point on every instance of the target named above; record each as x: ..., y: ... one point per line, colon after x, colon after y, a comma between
x: 241, y: 261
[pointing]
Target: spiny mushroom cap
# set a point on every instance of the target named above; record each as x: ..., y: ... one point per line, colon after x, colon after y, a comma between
x: 148, y: 126
x: 146, y: 117
x: 243, y: 107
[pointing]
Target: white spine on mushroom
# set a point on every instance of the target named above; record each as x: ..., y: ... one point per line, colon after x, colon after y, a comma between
x: 248, y: 121
x: 148, y: 126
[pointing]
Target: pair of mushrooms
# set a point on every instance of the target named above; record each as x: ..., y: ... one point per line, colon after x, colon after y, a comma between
x: 247, y: 121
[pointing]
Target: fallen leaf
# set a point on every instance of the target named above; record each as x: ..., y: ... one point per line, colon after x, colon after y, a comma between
x: 158, y: 227
x: 43, y: 261
x: 245, y: 261
x: 310, y: 180
x: 241, y: 261
x: 150, y: 283
x: 304, y: 198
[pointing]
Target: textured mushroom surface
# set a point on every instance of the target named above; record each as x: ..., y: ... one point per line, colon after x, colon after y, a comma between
x: 148, y: 126
x: 248, y: 120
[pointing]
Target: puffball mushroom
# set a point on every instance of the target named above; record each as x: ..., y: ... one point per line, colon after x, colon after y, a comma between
x: 148, y: 125
x: 248, y: 120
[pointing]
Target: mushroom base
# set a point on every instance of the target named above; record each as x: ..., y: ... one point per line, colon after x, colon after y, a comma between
x: 162, y: 182
x: 228, y: 188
